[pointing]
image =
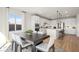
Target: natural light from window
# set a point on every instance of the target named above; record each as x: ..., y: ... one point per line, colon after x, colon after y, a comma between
x: 15, y: 22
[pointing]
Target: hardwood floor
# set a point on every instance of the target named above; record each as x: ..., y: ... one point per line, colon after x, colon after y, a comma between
x: 70, y: 43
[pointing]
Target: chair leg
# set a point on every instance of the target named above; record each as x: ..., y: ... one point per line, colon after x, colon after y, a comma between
x: 36, y: 50
x: 33, y: 48
x: 12, y: 45
x: 16, y: 47
x: 53, y: 48
x: 20, y: 48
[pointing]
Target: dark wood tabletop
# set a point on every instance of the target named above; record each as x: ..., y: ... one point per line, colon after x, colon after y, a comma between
x: 35, y: 39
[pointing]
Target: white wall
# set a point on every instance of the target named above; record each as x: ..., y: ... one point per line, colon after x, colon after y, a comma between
x: 4, y: 21
x: 27, y: 22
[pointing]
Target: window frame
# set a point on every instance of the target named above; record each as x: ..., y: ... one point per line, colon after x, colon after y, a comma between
x: 15, y: 24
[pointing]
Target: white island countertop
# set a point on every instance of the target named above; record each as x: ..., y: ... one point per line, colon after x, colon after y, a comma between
x: 54, y: 32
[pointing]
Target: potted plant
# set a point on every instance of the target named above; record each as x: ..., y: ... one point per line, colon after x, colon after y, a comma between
x: 29, y: 32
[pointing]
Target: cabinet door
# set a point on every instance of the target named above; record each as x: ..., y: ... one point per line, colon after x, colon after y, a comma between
x: 70, y: 31
x: 34, y: 20
x: 78, y: 25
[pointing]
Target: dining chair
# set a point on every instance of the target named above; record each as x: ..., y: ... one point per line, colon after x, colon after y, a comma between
x: 45, y: 47
x: 19, y: 42
x: 4, y: 43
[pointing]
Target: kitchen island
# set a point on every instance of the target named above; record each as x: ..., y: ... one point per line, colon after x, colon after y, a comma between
x: 54, y: 33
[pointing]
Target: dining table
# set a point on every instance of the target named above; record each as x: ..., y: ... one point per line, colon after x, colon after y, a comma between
x: 35, y: 39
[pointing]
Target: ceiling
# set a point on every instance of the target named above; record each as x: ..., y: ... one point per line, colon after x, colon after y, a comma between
x: 51, y: 12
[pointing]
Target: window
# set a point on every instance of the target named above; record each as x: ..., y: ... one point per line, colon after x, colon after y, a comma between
x: 18, y: 23
x: 15, y: 22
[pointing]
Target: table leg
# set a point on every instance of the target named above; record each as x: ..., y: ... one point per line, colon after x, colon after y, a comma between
x: 15, y: 47
x: 12, y: 45
x: 20, y: 48
x: 33, y: 48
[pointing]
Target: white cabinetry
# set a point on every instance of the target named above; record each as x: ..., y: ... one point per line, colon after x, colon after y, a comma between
x: 34, y: 19
x: 54, y: 33
x: 70, y: 31
x: 78, y: 25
